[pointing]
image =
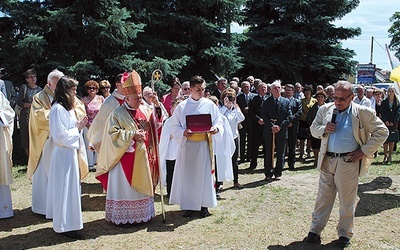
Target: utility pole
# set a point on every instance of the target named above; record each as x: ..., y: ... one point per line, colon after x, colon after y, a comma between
x: 372, y: 49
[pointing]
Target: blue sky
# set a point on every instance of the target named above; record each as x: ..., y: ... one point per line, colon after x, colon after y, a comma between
x: 372, y: 16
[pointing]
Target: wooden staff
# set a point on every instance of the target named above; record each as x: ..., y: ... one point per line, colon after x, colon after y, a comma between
x: 157, y: 76
x: 273, y: 144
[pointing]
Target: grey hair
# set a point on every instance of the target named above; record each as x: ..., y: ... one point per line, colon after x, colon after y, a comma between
x: 276, y: 83
x: 147, y: 89
x: 55, y: 73
x: 345, y: 84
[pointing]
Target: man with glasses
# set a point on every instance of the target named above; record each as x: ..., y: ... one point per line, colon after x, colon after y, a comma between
x: 350, y: 135
x: 185, y: 89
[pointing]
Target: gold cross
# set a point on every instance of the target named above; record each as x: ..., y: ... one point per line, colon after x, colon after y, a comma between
x: 157, y: 75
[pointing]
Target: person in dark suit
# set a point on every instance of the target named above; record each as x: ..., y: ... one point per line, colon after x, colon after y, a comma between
x: 276, y: 113
x: 243, y: 100
x: 293, y: 127
x: 257, y: 124
x: 8, y: 90
x: 390, y: 113
x: 221, y: 86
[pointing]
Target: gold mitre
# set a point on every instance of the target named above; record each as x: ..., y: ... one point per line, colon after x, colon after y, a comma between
x: 131, y: 83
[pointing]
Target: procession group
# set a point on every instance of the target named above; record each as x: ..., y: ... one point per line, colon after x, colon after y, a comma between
x: 133, y: 141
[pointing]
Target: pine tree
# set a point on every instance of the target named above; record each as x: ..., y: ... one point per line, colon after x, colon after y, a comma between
x: 295, y: 40
x: 193, y: 31
x: 394, y: 33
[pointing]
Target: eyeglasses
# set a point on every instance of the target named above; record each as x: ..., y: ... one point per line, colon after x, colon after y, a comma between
x: 92, y: 88
x: 342, y: 99
x: 105, y: 88
x: 186, y: 88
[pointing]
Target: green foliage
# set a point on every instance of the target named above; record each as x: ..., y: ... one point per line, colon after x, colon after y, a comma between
x: 290, y: 40
x: 296, y: 41
x: 394, y: 33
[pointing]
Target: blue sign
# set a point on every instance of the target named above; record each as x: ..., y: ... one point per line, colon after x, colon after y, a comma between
x: 366, y: 73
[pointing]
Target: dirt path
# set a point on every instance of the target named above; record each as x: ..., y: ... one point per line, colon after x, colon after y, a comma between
x: 261, y: 216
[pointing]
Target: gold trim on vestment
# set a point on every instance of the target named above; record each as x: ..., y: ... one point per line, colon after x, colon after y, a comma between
x: 198, y: 137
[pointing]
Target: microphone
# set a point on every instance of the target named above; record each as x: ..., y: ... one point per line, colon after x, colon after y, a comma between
x: 334, y: 114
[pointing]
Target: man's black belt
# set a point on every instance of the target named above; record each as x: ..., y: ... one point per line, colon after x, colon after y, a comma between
x: 331, y: 154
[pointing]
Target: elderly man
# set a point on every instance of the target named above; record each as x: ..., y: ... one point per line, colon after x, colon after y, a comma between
x: 293, y: 126
x: 257, y: 124
x: 243, y: 100
x: 128, y: 163
x: 276, y: 114
x: 330, y: 92
x: 361, y: 98
x: 185, y: 89
x: 369, y: 93
x: 350, y: 135
x: 40, y: 144
x: 150, y: 100
x: 298, y: 91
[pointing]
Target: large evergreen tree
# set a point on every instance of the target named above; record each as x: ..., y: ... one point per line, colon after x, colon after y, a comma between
x: 189, y: 29
x: 394, y: 33
x: 85, y: 40
x: 97, y: 39
x: 295, y: 40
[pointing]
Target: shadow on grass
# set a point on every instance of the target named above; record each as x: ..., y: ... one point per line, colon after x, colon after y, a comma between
x: 91, y: 230
x: 375, y: 197
x: 91, y: 188
x: 22, y: 218
x: 301, y: 245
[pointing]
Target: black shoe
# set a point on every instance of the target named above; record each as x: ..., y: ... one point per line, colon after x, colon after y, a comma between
x: 312, y: 238
x: 73, y: 235
x: 252, y: 167
x: 237, y: 186
x: 188, y: 213
x: 204, y: 212
x: 343, y: 242
x: 268, y: 179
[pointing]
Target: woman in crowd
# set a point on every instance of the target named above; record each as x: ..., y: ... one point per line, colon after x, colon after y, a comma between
x: 64, y: 190
x: 390, y: 116
x: 378, y: 101
x: 316, y: 143
x: 168, y: 98
x: 304, y: 129
x: 93, y: 103
x: 234, y: 115
x: 105, y: 87
x: 24, y: 101
x: 168, y: 150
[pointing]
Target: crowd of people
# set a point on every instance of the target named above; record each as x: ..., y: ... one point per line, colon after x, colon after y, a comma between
x: 133, y: 140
